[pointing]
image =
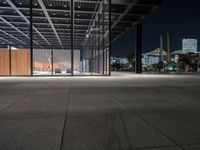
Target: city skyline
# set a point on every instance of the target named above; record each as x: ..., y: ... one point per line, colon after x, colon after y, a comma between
x: 169, y: 18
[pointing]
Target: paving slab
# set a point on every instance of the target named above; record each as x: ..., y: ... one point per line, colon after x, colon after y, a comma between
x: 27, y: 134
x: 192, y: 147
x: 121, y: 112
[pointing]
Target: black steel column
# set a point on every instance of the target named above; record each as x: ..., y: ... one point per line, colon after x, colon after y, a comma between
x: 52, y: 61
x: 81, y: 57
x: 103, y: 34
x: 31, y: 38
x: 95, y: 43
x: 10, y: 60
x: 110, y: 46
x: 106, y: 62
x: 91, y: 60
x: 95, y: 49
x: 72, y: 37
x: 98, y: 46
x: 103, y: 53
x: 138, y: 49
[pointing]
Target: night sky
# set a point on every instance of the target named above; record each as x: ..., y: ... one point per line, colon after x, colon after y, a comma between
x: 181, y: 18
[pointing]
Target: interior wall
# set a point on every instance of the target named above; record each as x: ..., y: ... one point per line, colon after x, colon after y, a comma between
x: 20, y: 62
x: 4, y: 62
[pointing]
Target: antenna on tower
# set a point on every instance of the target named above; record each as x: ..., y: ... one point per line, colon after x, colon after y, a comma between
x: 168, y: 48
x: 161, y: 48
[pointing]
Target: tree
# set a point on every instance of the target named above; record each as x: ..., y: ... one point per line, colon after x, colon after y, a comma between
x: 160, y: 66
x: 188, y: 60
x: 117, y: 66
x: 131, y: 60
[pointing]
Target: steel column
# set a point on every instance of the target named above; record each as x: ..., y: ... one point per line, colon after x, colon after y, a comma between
x: 10, y: 60
x: 31, y: 38
x: 138, y: 52
x: 106, y: 61
x: 103, y: 34
x: 72, y: 37
x: 98, y: 46
x: 110, y: 46
x: 52, y: 61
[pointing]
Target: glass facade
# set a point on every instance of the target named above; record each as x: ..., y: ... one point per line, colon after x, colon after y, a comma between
x: 55, y: 37
x: 190, y: 45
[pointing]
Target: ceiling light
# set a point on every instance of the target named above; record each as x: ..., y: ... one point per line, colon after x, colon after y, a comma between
x: 13, y: 48
x: 50, y: 4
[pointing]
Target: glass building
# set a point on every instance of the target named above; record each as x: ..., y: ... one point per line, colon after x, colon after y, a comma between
x: 66, y: 37
x: 54, y: 37
x: 189, y: 45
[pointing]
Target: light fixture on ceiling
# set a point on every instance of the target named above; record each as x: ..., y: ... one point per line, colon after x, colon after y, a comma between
x: 14, y: 48
x: 65, y: 5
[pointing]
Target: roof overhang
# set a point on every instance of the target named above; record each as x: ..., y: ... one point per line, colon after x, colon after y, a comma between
x: 51, y: 19
x: 127, y: 13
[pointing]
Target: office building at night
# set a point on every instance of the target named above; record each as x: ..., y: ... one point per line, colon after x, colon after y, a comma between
x: 189, y: 45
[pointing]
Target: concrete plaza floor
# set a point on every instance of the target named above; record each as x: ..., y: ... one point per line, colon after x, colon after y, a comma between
x: 122, y: 112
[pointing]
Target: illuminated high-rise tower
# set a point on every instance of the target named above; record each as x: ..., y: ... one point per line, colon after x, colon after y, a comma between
x: 189, y: 45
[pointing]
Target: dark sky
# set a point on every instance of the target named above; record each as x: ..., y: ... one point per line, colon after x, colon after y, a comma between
x: 181, y: 18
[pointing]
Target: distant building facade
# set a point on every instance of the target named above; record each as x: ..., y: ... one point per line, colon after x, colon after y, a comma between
x: 153, y: 57
x: 189, y: 45
x: 122, y: 61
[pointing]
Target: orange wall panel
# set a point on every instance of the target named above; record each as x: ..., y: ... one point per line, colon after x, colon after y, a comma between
x: 20, y: 64
x: 4, y: 62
